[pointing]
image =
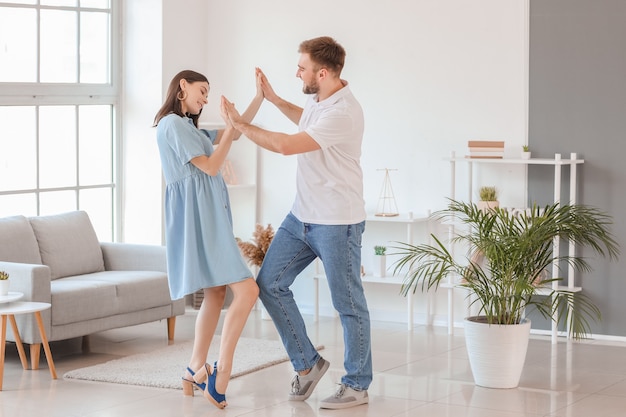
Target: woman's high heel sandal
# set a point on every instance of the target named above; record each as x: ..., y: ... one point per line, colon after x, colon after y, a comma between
x: 204, y: 379
x: 187, y: 387
x: 190, y: 383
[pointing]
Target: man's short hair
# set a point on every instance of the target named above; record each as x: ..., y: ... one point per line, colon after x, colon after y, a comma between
x: 325, y: 52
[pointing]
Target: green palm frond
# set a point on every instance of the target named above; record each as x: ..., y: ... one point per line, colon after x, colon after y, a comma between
x: 507, y: 258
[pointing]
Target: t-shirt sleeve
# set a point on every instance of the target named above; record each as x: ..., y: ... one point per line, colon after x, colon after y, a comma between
x: 330, y: 128
x: 181, y: 138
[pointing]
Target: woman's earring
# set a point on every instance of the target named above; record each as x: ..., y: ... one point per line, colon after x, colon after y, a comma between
x: 184, y: 95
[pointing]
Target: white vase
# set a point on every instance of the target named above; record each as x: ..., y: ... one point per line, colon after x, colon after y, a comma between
x: 380, y: 265
x: 497, y: 352
x: 526, y: 155
x: 486, y: 205
x: 4, y: 287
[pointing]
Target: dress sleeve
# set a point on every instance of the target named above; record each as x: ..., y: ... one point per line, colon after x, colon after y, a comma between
x: 184, y: 139
x: 211, y: 134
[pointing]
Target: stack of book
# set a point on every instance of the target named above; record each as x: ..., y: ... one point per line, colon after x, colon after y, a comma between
x: 485, y: 149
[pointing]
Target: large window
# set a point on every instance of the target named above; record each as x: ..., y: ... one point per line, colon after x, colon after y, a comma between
x: 58, y: 106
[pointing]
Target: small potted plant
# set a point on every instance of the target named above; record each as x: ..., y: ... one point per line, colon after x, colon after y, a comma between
x: 4, y: 283
x: 488, y: 198
x: 380, y: 260
x: 525, y: 152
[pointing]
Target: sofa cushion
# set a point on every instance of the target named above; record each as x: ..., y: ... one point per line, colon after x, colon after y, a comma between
x: 104, y: 294
x: 17, y: 241
x: 68, y: 244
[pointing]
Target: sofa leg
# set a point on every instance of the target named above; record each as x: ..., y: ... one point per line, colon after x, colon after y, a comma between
x: 85, y: 344
x: 171, y: 325
x: 35, y: 350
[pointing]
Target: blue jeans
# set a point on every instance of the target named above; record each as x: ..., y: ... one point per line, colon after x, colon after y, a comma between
x: 294, y: 247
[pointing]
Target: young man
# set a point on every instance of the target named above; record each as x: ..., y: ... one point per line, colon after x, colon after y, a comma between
x: 326, y: 221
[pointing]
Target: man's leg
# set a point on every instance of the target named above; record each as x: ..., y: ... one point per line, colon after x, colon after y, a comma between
x: 340, y: 252
x: 287, y: 256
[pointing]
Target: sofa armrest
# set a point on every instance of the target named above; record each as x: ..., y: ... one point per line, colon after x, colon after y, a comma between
x: 133, y: 257
x: 31, y: 279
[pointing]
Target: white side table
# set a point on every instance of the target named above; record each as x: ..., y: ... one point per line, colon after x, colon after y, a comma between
x: 9, y: 310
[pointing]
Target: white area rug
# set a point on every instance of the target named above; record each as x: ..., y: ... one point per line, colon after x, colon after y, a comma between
x: 163, y: 368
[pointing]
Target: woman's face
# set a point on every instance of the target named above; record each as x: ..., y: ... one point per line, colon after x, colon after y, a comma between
x: 195, y: 96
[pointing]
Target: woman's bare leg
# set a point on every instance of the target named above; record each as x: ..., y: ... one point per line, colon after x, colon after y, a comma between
x: 206, y: 323
x: 245, y: 294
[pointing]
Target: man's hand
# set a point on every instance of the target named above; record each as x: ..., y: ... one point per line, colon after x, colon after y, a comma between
x: 268, y: 91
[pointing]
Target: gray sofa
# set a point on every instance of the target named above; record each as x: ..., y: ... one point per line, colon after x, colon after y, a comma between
x: 92, y: 286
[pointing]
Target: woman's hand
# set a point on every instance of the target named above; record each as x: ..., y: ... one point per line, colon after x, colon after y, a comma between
x: 227, y: 108
x: 258, y: 75
x: 224, y: 113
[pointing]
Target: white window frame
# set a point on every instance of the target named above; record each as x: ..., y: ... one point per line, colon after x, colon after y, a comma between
x: 46, y: 94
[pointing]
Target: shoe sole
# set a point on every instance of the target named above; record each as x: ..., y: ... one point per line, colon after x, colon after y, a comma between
x: 341, y: 406
x: 309, y: 391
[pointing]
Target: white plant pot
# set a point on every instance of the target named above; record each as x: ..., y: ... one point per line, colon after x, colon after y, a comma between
x: 525, y: 155
x: 486, y: 205
x: 380, y: 265
x: 4, y: 287
x: 496, y: 352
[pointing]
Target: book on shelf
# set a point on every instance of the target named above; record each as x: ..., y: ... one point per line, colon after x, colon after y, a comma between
x: 485, y: 149
x: 484, y: 156
x: 485, y: 144
x: 493, y: 154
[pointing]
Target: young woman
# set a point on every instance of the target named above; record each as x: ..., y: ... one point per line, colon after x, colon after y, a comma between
x: 201, y: 249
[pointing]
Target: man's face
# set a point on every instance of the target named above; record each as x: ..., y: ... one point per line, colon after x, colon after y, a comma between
x: 308, y: 72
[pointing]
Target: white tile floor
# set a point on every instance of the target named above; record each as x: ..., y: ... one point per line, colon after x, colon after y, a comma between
x: 424, y: 372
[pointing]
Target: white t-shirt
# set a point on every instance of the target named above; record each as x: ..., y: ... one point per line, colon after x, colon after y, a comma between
x: 330, y: 180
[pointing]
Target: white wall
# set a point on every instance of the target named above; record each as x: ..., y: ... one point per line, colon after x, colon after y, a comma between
x: 142, y: 72
x: 430, y: 75
x: 161, y: 38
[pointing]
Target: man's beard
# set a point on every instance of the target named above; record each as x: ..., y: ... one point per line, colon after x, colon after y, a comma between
x: 313, y: 88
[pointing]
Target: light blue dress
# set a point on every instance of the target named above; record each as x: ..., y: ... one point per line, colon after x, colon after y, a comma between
x: 201, y: 248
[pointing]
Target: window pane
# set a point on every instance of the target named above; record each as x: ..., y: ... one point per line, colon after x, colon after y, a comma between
x: 95, y: 145
x: 57, y: 146
x: 54, y: 202
x: 94, y: 47
x: 95, y: 4
x: 24, y: 1
x: 12, y: 205
x: 18, y: 45
x: 58, y: 46
x: 69, y: 3
x: 98, y: 203
x: 18, y: 160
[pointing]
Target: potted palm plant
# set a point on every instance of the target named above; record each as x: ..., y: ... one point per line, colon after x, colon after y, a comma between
x: 506, y: 272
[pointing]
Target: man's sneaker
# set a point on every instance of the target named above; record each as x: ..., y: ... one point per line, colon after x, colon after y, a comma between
x: 302, y: 386
x: 345, y: 397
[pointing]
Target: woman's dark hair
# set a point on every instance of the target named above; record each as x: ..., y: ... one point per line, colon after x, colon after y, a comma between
x: 172, y: 101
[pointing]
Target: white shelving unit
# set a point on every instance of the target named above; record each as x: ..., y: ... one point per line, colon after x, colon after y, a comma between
x: 243, y: 158
x: 558, y: 163
x: 404, y: 218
